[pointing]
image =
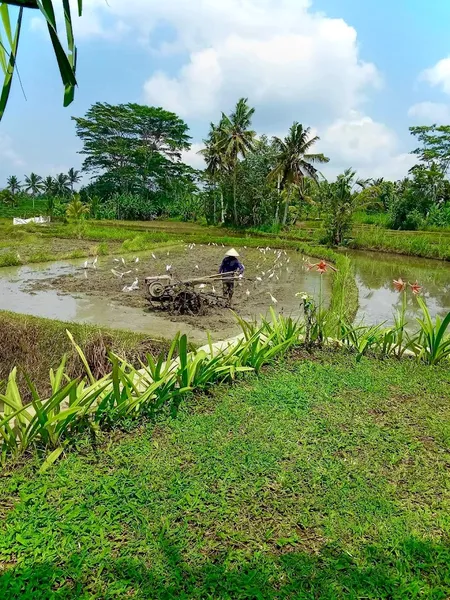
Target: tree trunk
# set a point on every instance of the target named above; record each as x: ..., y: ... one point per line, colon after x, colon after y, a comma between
x: 286, y: 207
x: 235, y: 199
x: 277, y: 209
x: 222, y: 208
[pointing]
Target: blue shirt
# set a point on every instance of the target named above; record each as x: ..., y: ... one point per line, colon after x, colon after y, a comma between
x: 231, y: 264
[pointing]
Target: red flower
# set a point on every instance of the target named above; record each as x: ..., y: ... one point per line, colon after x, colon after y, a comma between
x: 415, y: 288
x: 321, y: 267
x: 399, y: 284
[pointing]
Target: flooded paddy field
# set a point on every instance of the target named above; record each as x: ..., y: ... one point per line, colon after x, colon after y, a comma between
x: 68, y: 291
x: 375, y: 272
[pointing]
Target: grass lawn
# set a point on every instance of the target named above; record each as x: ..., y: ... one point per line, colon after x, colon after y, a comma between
x: 321, y: 478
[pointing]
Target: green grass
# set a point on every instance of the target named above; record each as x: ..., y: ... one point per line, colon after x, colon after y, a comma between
x: 322, y: 478
x: 426, y: 245
x: 24, y: 209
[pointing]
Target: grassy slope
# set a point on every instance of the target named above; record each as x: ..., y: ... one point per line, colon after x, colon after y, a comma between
x: 34, y: 345
x: 321, y: 479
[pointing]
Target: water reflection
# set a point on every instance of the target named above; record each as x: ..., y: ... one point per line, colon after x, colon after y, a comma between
x: 378, y: 300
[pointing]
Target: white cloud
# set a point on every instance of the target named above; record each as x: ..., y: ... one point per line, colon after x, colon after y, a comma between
x: 7, y: 152
x: 192, y: 157
x: 430, y: 112
x: 316, y: 72
x: 359, y: 140
x: 438, y: 75
x: 280, y: 53
x: 293, y: 63
x: 367, y: 146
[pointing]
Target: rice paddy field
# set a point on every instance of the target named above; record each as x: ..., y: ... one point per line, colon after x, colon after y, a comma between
x: 319, y: 477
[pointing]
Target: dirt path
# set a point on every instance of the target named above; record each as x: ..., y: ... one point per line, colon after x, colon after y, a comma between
x: 269, y: 273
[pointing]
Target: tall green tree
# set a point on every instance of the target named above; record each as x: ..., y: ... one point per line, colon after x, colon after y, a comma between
x: 294, y: 160
x: 48, y: 186
x: 434, y: 145
x: 33, y: 185
x: 216, y: 165
x: 235, y: 140
x: 341, y: 200
x: 13, y: 184
x: 74, y: 178
x: 135, y: 146
x: 62, y: 185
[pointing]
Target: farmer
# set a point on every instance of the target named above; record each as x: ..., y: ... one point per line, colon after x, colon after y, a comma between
x: 229, y: 267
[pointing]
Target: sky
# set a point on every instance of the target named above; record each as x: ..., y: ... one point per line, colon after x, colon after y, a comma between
x: 358, y: 72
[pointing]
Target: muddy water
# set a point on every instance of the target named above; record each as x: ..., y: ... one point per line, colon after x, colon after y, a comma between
x: 378, y: 300
x: 66, y: 291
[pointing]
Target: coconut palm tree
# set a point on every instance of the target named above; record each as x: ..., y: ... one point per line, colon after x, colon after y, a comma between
x: 48, y: 186
x: 62, y: 184
x: 13, y: 185
x: 74, y: 178
x: 215, y: 162
x: 294, y: 159
x: 236, y: 139
x: 33, y: 185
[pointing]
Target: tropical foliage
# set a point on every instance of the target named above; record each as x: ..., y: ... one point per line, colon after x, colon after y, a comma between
x: 159, y: 385
x: 66, y: 60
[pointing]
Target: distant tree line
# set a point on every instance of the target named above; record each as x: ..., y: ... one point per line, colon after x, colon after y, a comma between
x: 133, y: 156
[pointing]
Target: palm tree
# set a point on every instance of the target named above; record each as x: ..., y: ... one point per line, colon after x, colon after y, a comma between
x: 215, y: 163
x: 48, y: 186
x: 236, y: 139
x: 76, y: 210
x: 13, y: 185
x: 341, y: 201
x: 33, y: 185
x: 74, y: 177
x: 62, y: 184
x: 294, y: 160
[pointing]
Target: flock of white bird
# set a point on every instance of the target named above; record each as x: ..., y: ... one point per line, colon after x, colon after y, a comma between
x: 280, y: 263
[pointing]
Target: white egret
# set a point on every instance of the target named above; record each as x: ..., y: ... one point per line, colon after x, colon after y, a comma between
x: 274, y: 300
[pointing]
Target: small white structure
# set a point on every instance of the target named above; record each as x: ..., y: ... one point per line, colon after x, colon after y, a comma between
x: 38, y: 220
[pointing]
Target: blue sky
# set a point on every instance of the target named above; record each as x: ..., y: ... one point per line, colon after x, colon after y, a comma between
x: 359, y: 72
